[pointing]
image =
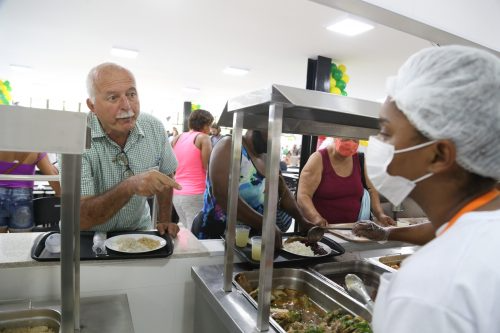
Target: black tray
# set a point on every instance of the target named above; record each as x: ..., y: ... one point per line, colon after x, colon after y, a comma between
x: 39, y: 253
x: 283, y: 258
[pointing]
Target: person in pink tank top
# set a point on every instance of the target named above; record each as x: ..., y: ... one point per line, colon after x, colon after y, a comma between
x: 331, y: 186
x: 192, y: 150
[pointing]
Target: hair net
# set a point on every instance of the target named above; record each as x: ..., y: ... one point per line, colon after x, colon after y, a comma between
x: 453, y: 92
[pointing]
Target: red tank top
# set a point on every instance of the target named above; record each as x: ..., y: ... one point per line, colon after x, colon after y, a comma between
x: 338, y: 199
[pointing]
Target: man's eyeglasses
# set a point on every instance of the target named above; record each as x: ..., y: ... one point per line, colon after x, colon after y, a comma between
x: 122, y: 159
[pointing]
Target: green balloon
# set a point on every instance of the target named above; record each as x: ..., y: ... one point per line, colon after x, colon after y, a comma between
x: 333, y: 68
x: 337, y: 75
x: 7, y: 84
x: 3, y: 100
x: 340, y: 84
x: 343, y: 93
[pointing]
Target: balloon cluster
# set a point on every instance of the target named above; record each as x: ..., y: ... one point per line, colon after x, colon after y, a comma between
x: 338, y: 79
x: 5, y: 90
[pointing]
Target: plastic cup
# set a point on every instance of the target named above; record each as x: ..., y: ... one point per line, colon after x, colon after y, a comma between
x: 242, y: 233
x: 256, y: 247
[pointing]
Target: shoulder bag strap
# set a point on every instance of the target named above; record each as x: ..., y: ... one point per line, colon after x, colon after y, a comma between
x: 361, y: 158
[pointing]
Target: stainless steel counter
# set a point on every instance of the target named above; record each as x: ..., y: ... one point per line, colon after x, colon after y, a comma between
x: 220, y: 311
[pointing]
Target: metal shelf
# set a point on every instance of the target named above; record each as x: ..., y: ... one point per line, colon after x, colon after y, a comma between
x: 39, y: 130
x: 306, y: 112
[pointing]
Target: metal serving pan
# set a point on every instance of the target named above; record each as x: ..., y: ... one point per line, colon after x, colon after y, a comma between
x: 393, y: 261
x: 29, y: 318
x: 323, y: 294
x: 335, y: 272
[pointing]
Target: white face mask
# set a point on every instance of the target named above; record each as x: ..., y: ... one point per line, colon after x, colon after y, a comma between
x: 378, y: 157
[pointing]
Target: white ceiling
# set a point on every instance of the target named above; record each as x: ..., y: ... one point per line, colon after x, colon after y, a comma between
x: 186, y: 43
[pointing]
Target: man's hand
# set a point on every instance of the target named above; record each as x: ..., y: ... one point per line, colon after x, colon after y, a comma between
x: 168, y: 227
x: 151, y: 182
x: 385, y: 220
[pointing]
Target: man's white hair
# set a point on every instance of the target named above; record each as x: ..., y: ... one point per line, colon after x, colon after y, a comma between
x: 94, y: 75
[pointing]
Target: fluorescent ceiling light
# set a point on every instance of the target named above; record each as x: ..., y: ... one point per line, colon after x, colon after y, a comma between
x: 20, y: 68
x: 191, y: 90
x: 124, y: 53
x: 235, y: 71
x: 350, y: 27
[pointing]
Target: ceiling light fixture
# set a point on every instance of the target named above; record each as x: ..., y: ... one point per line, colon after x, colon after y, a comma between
x: 124, y: 53
x: 235, y: 71
x: 20, y: 68
x: 192, y: 90
x: 350, y: 27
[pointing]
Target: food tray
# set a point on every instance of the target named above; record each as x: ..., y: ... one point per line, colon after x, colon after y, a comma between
x: 335, y: 272
x: 393, y: 260
x: 39, y: 253
x: 321, y: 293
x: 32, y: 317
x: 282, y: 258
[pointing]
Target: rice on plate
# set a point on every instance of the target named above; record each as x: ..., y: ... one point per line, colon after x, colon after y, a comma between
x: 298, y: 248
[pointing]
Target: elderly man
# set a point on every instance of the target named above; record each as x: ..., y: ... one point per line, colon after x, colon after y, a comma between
x: 128, y: 161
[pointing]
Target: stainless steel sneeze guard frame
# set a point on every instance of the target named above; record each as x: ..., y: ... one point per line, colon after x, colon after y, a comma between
x: 306, y: 112
x: 63, y: 132
x: 297, y: 110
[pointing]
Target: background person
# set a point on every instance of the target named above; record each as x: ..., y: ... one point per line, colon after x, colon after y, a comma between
x: 251, y: 190
x: 215, y: 135
x: 331, y: 188
x: 192, y: 150
x: 438, y: 143
x: 16, y: 197
x: 128, y: 161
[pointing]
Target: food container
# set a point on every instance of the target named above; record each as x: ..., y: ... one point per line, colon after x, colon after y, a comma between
x: 30, y: 318
x: 335, y: 272
x: 321, y: 293
x: 393, y: 261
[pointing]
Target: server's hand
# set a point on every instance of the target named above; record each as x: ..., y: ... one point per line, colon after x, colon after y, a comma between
x: 371, y: 230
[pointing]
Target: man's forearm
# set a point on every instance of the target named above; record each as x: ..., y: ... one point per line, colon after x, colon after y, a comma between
x: 165, y: 205
x: 98, y: 209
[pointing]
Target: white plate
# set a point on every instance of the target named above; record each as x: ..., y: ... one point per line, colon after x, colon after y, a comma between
x: 129, y: 243
x: 323, y: 245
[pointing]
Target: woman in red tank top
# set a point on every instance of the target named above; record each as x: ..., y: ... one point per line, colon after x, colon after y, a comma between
x: 331, y: 188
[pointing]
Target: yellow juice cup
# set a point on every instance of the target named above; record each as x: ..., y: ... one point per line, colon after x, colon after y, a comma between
x: 256, y: 247
x: 242, y: 233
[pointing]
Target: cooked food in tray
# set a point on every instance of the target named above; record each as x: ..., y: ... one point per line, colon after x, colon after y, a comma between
x: 294, y: 311
x: 28, y: 329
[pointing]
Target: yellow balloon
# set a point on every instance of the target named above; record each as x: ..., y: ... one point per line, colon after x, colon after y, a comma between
x: 335, y: 91
x: 342, y: 68
x: 333, y: 82
x: 345, y: 78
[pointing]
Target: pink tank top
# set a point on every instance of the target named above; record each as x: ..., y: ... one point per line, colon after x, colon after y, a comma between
x: 338, y: 199
x: 190, y: 172
x: 21, y: 169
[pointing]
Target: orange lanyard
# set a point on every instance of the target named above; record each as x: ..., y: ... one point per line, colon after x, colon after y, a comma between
x: 472, y: 205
